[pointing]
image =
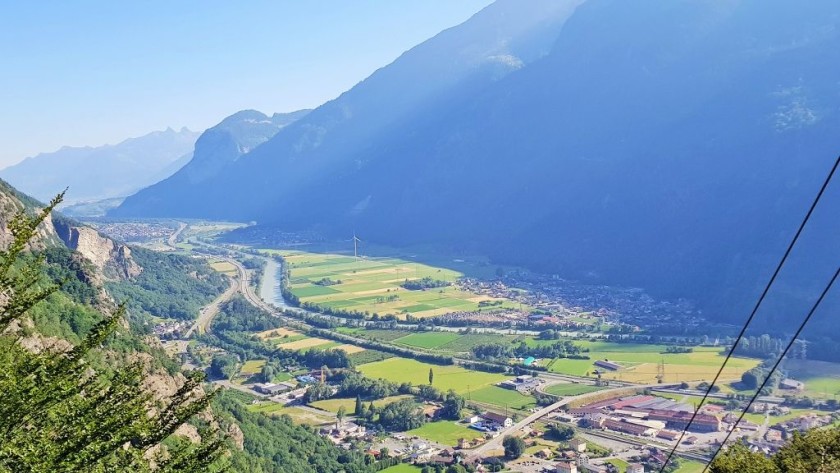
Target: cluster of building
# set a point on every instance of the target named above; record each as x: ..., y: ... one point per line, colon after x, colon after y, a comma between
x: 135, y: 231
x: 644, y: 415
x: 489, y: 422
x: 341, y: 433
x: 523, y: 384
x: 272, y: 389
x: 171, y: 330
x: 583, y: 465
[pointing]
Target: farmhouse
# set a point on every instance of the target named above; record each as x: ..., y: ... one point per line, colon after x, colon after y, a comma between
x: 791, y: 384
x: 496, y: 421
x: 608, y: 365
x: 578, y: 445
x: 566, y: 467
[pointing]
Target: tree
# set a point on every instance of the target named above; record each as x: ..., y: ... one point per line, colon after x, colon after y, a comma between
x: 359, y: 409
x: 431, y: 376
x: 453, y: 404
x: 58, y: 414
x: 514, y: 447
x: 816, y: 451
x: 560, y: 432
x: 340, y: 414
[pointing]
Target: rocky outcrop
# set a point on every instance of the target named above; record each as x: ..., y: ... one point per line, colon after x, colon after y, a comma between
x: 111, y: 260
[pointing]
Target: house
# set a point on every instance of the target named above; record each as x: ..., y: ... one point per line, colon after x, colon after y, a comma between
x: 464, y: 443
x: 496, y: 421
x: 578, y: 445
x: 544, y: 453
x: 472, y: 419
x: 635, y: 468
x: 608, y: 365
x: 774, y: 435
x: 271, y: 389
x: 594, y: 420
x: 566, y: 467
x: 791, y: 384
x: 444, y: 457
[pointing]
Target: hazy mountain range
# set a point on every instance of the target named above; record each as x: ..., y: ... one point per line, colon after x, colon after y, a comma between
x: 667, y: 145
x: 103, y: 172
x: 215, y: 150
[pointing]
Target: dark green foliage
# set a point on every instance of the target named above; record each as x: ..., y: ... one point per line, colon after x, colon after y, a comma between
x: 401, y: 415
x: 560, y: 432
x: 57, y: 414
x: 500, y: 351
x: 354, y: 384
x: 276, y: 445
x: 238, y: 315
x: 224, y: 366
x: 170, y: 286
x: 453, y: 404
x: 425, y: 283
x: 514, y: 447
x: 816, y: 451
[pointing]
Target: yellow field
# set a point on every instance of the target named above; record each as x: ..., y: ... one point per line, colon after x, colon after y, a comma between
x: 305, y: 343
x: 277, y: 332
x: 251, y: 367
x: 349, y: 349
x: 223, y: 267
x: 373, y: 285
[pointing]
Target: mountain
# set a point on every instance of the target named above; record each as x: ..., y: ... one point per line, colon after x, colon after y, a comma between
x: 96, y: 173
x: 673, y: 146
x: 215, y: 149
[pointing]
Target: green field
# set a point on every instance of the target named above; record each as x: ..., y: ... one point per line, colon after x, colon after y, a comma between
x: 690, y: 466
x: 821, y: 378
x: 349, y: 404
x: 570, y: 389
x: 427, y: 339
x: 373, y: 285
x: 445, y: 432
x: 298, y: 415
x: 403, y: 370
x: 502, y: 398
x: 640, y: 362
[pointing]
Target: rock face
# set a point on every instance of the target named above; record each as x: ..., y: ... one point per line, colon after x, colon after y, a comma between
x: 112, y: 260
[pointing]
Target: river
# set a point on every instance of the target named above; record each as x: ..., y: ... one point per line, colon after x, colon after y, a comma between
x: 270, y: 284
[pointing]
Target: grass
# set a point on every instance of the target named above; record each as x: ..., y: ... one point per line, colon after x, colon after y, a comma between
x: 224, y: 267
x: 402, y: 468
x: 445, y: 432
x: 404, y: 370
x: 641, y: 362
x: 619, y: 463
x: 368, y: 356
x: 502, y: 398
x: 349, y: 404
x: 690, y: 466
x: 428, y: 339
x: 251, y: 367
x: 299, y: 416
x: 373, y: 285
x: 304, y: 343
x: 570, y: 389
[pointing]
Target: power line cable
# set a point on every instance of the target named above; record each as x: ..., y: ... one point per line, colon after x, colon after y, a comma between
x: 776, y: 365
x: 754, y: 310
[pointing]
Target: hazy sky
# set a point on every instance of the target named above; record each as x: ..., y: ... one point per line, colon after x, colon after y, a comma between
x: 95, y: 72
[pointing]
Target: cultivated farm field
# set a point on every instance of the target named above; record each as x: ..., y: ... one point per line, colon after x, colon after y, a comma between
x: 404, y: 370
x: 373, y: 285
x: 640, y: 363
x: 445, y: 432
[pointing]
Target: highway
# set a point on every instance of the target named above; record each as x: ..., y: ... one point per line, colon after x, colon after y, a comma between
x: 496, y: 443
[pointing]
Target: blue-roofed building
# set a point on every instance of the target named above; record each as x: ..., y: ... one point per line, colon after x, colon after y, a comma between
x: 529, y: 361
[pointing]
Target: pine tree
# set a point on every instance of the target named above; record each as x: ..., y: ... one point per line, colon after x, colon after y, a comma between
x: 57, y: 415
x: 359, y: 410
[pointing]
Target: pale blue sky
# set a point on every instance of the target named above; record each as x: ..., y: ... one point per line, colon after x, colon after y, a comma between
x: 95, y: 72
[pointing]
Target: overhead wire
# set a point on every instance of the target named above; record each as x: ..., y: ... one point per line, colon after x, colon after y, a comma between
x: 776, y: 364
x: 754, y: 310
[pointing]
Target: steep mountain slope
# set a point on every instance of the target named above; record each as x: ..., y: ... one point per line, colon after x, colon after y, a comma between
x: 216, y: 148
x: 496, y: 41
x: 667, y: 145
x: 95, y: 173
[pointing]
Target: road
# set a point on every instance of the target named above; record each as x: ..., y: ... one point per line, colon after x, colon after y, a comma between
x: 173, y: 238
x: 496, y: 443
x: 206, y: 314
